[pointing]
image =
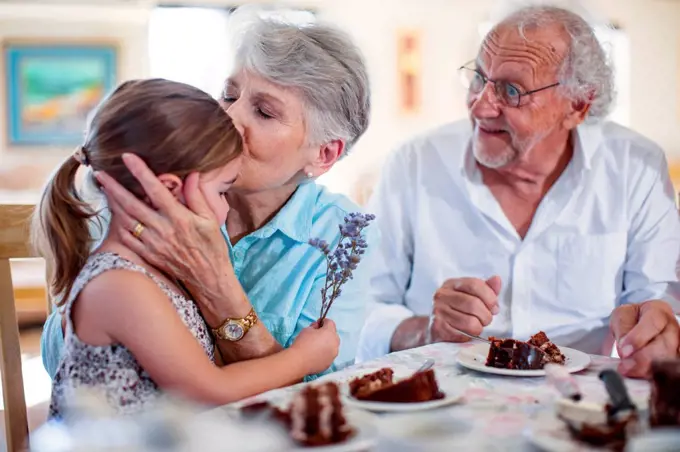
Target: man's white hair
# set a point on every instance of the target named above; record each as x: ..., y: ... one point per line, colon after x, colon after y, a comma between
x: 586, y: 74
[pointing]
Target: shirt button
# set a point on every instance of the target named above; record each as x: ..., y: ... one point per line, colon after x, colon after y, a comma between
x: 239, y: 254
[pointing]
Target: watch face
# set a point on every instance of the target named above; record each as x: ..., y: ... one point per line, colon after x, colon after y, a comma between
x: 233, y: 331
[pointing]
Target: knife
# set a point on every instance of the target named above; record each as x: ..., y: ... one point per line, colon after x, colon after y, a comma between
x: 621, y: 406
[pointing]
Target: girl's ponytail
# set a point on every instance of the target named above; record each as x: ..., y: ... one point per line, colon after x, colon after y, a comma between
x: 60, y: 230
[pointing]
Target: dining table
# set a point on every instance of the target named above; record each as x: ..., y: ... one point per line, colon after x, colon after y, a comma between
x: 491, y: 412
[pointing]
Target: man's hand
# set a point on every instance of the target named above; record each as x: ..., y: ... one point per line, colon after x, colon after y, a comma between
x: 644, y: 332
x: 466, y: 304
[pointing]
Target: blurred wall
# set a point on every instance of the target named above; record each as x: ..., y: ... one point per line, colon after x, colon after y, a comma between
x: 449, y: 33
x: 125, y: 26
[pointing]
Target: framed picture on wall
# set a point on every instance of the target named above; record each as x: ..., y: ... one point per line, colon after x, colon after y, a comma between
x: 409, y: 70
x: 50, y: 88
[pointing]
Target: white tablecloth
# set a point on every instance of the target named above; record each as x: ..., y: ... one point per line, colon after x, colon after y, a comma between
x: 496, y: 413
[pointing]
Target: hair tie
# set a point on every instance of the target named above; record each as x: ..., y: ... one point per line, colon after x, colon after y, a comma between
x: 80, y: 155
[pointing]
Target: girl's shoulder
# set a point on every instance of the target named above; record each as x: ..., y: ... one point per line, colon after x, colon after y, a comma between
x: 107, y: 262
x: 101, y: 262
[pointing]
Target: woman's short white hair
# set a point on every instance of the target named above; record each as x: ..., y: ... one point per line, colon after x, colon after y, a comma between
x: 317, y: 60
x: 586, y: 74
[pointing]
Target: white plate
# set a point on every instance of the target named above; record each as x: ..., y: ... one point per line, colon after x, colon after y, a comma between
x: 664, y: 439
x: 365, y: 437
x: 475, y: 358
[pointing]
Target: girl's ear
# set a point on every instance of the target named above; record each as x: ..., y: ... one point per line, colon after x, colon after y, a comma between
x: 172, y: 183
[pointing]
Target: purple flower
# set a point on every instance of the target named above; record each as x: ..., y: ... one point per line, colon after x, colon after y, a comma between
x: 346, y: 257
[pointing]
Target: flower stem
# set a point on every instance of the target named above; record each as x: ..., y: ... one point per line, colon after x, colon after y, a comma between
x: 336, y: 287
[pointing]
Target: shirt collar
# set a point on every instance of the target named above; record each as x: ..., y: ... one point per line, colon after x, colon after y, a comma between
x: 295, y: 217
x: 587, y: 140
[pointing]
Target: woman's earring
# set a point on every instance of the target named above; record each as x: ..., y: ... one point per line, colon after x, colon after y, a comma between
x: 310, y: 174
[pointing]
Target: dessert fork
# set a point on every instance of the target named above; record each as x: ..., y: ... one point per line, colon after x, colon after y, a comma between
x: 472, y: 336
x: 426, y: 365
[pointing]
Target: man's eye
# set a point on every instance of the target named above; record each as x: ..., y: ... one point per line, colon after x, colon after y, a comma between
x: 511, y: 91
x: 478, y: 81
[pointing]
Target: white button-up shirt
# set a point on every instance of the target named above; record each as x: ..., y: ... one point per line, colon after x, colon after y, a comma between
x: 606, y: 233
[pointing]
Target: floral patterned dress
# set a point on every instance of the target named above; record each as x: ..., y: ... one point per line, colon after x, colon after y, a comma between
x: 112, y: 369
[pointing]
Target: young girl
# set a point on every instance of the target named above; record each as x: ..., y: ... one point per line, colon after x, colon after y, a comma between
x: 122, y: 314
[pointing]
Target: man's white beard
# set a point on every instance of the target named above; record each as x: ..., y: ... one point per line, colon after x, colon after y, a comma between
x: 509, y: 154
x: 495, y: 161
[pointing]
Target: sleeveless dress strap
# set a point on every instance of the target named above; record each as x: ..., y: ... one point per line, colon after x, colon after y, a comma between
x: 96, y: 265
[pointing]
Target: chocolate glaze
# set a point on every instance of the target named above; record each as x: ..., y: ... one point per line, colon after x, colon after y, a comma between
x: 512, y: 354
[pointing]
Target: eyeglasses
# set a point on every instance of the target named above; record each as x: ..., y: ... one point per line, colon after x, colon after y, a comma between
x: 506, y: 92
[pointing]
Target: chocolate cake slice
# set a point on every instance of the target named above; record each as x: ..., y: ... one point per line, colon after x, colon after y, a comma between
x: 552, y: 352
x: 380, y: 387
x: 359, y: 387
x: 612, y: 436
x: 315, y: 416
x: 531, y: 355
x: 609, y: 425
x: 512, y: 354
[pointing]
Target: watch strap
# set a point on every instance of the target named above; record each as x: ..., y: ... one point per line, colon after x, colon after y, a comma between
x: 246, y: 323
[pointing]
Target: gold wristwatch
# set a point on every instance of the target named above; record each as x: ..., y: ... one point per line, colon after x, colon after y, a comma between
x: 234, y: 329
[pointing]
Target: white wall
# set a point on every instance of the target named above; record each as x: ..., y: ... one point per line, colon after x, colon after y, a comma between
x: 449, y: 39
x: 654, y: 30
x: 448, y: 34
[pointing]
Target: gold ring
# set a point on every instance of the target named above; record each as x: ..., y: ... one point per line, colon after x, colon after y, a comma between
x: 137, y: 231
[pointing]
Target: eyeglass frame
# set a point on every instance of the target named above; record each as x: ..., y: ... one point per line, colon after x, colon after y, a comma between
x: 486, y: 80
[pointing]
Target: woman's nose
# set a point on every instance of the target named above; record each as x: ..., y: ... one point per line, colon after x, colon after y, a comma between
x: 235, y: 112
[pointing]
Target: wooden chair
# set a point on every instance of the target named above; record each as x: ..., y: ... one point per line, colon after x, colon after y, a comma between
x: 14, y: 234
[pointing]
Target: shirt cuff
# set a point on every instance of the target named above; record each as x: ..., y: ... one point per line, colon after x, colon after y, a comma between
x: 378, y: 330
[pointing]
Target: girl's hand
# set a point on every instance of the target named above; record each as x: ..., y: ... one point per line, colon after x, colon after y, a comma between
x: 320, y: 346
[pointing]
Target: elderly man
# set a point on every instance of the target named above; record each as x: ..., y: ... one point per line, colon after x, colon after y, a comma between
x: 534, y: 215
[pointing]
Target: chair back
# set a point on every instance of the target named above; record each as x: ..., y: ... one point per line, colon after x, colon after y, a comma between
x: 14, y: 243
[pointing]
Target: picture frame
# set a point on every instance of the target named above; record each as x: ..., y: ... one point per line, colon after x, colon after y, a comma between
x: 51, y: 88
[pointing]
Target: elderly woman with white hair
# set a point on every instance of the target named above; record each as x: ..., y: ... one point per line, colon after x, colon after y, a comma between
x: 536, y: 214
x: 300, y: 98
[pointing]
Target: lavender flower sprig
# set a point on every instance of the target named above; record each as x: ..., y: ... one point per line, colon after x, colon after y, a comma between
x: 342, y: 261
